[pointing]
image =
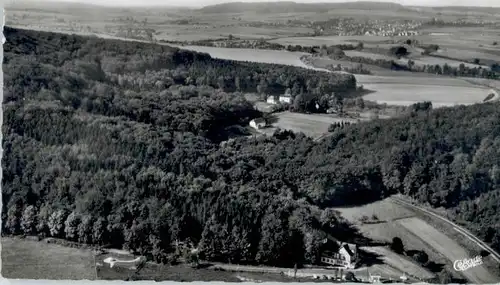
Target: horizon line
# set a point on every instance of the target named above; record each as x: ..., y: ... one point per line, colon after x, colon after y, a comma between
x: 166, y: 5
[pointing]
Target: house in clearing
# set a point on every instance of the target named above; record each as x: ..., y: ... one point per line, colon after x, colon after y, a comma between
x: 345, y: 257
x: 285, y: 99
x: 258, y: 123
x: 272, y: 100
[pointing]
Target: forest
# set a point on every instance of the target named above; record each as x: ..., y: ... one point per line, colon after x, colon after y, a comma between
x: 138, y: 146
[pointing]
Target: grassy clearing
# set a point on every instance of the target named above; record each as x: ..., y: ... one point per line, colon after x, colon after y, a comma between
x: 179, y: 273
x: 313, y: 125
x: 28, y: 259
x: 447, y: 247
x: 385, y: 210
x: 400, y: 262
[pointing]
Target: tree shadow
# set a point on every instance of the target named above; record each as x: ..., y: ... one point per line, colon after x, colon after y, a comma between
x: 271, y: 119
x: 369, y: 258
x: 458, y: 281
x: 434, y: 267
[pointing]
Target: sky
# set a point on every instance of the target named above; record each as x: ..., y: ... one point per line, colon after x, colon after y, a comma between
x: 200, y: 3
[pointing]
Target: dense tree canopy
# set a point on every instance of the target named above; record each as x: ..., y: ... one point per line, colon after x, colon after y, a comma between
x: 138, y: 145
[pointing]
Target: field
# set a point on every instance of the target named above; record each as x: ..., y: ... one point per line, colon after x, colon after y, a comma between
x: 39, y: 260
x: 313, y: 125
x: 440, y: 96
x: 418, y: 232
x: 407, y: 90
x: 431, y: 60
x: 417, y: 58
x: 385, y: 210
x: 400, y: 262
x: 369, y: 41
x: 254, y: 55
x: 446, y: 246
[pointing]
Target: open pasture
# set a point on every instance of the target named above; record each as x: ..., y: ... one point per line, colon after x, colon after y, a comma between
x: 388, y: 214
x: 312, y: 125
x: 27, y: 259
x: 447, y: 247
x: 385, y: 210
x: 400, y: 262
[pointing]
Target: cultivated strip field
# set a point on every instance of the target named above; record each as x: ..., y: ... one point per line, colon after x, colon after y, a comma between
x: 357, y: 53
x: 28, y: 259
x: 425, y: 79
x: 430, y: 60
x: 331, y: 40
x: 440, y: 96
x: 447, y: 247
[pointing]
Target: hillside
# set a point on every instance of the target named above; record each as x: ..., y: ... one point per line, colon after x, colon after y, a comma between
x: 293, y: 7
x: 120, y: 144
x: 138, y: 145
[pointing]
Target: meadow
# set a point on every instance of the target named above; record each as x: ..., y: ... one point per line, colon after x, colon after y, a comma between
x: 29, y: 259
x: 400, y: 262
x: 447, y: 247
x: 312, y: 125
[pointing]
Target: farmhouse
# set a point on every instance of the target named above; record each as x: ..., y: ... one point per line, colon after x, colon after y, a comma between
x: 285, y: 99
x: 346, y: 256
x: 272, y: 100
x: 258, y: 123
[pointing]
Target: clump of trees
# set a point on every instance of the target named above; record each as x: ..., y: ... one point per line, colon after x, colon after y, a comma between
x: 399, y: 51
x: 397, y: 245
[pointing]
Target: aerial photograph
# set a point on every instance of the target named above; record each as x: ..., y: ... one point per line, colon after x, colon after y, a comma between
x: 324, y: 141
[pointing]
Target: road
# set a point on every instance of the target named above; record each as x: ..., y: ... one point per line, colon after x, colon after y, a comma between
x: 458, y: 228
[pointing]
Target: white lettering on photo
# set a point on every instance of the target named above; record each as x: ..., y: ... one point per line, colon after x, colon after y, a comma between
x: 464, y: 264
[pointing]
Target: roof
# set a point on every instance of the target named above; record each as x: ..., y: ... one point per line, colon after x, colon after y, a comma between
x: 348, y: 249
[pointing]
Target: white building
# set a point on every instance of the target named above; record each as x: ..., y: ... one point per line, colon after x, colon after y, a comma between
x: 271, y: 100
x: 346, y: 257
x: 258, y: 123
x: 285, y: 99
